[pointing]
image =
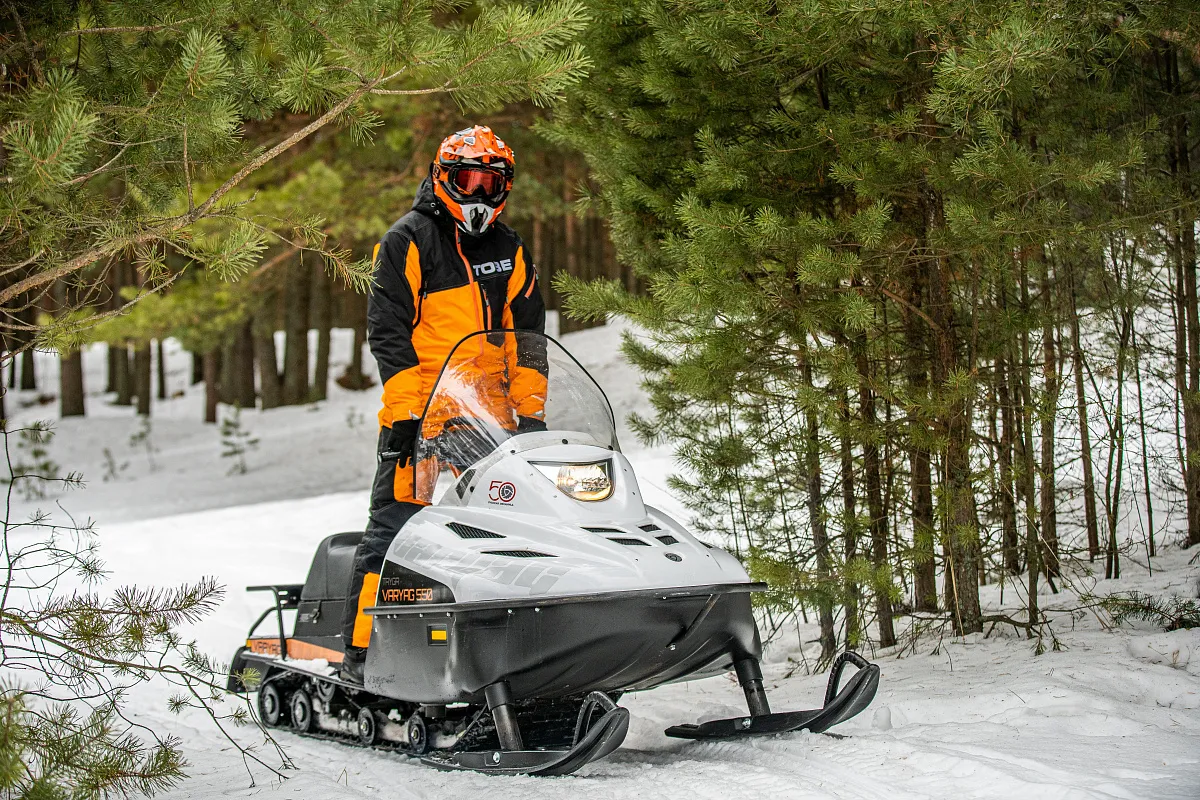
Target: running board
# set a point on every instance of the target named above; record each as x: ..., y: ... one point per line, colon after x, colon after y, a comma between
x: 840, y: 705
x: 601, y: 739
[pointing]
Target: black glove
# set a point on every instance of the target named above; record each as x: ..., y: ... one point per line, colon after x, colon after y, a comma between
x: 400, y: 441
x: 530, y: 425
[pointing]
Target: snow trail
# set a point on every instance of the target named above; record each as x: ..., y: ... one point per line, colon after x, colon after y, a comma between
x: 1114, y: 715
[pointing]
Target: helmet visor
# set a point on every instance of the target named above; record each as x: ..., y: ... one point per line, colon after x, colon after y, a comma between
x: 477, y: 180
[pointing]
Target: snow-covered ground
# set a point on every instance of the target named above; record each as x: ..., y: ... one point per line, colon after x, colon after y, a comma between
x: 1114, y: 714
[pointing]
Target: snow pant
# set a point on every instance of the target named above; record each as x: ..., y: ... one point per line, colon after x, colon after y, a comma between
x: 387, y: 516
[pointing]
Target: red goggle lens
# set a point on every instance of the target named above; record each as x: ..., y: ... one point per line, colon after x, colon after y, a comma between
x: 474, y: 180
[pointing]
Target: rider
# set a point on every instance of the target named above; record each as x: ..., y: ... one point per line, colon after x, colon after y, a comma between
x: 445, y: 270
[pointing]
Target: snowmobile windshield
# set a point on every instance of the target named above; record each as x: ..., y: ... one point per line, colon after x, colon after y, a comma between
x: 507, y: 388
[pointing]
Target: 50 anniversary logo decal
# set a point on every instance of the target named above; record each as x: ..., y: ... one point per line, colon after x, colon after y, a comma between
x: 502, y: 492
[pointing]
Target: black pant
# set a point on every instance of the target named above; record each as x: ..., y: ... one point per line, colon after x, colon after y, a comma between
x: 387, y: 517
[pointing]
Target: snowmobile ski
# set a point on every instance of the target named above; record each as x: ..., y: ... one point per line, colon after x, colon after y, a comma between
x: 604, y: 736
x: 840, y: 705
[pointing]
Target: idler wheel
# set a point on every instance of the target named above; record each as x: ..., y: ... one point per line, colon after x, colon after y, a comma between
x: 368, y: 729
x: 301, y: 706
x: 270, y: 705
x: 326, y: 691
x: 418, y: 735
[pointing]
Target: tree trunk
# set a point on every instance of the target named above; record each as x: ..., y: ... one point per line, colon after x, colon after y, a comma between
x: 1008, y: 498
x: 850, y: 516
x: 197, y: 368
x: 1032, y: 550
x: 352, y: 377
x: 212, y: 389
x: 122, y: 374
x: 570, y: 239
x: 225, y: 379
x: 1049, y: 511
x: 1191, y: 399
x: 924, y: 572
x: 1189, y: 312
x: 1137, y: 378
x: 141, y: 377
x: 116, y: 277
x: 322, y: 320
x: 878, y: 522
x: 961, y: 536
x: 161, y: 359
x: 297, y: 294
x: 816, y: 520
x: 71, y: 385
x: 1091, y: 520
x: 28, y: 377
x: 1114, y: 477
x: 270, y: 387
x: 242, y: 371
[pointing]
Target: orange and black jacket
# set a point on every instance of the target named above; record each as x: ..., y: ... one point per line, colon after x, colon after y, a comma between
x: 434, y: 285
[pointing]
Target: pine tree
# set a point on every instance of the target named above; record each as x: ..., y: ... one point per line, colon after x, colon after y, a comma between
x: 71, y: 656
x: 128, y: 128
x: 889, y: 195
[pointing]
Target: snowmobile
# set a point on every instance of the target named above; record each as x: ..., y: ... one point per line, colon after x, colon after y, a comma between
x: 533, y: 591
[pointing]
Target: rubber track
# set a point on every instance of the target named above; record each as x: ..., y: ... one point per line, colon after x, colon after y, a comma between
x: 548, y: 724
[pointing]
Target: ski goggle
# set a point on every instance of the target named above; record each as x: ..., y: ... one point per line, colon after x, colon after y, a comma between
x: 477, y: 180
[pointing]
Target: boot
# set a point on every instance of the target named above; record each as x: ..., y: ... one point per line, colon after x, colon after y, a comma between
x: 353, y: 664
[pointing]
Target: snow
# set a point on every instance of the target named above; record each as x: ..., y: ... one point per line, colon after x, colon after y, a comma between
x: 1114, y: 713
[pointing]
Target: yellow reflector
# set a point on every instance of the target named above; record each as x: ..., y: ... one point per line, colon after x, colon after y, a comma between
x: 438, y: 634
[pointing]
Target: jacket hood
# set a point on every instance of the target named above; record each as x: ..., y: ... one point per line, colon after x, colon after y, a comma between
x: 427, y: 202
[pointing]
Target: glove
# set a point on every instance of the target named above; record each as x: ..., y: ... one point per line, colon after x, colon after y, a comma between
x: 530, y: 425
x: 401, y: 439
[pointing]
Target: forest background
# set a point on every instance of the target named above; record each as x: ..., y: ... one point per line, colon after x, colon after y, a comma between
x: 917, y: 281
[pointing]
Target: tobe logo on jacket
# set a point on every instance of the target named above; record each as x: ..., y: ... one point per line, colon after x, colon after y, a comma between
x: 492, y: 267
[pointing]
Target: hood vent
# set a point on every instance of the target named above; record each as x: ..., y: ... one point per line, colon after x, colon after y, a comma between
x: 470, y: 532
x: 628, y: 541
x: 602, y: 530
x: 464, y: 482
x: 518, y: 554
x: 667, y: 539
x: 650, y: 527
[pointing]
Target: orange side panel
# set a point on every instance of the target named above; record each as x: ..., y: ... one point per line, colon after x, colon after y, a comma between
x: 296, y: 649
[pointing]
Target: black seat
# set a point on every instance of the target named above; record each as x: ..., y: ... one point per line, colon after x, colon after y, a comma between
x: 329, y: 575
x: 319, y: 618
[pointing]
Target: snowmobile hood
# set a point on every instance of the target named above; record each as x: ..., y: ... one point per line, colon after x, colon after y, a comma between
x: 530, y: 496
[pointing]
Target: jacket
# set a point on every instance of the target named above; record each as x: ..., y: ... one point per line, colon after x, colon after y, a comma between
x: 434, y: 285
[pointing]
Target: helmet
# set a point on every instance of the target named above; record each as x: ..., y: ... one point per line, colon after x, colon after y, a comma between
x: 472, y: 176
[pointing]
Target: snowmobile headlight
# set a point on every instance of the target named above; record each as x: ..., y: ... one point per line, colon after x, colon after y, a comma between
x: 582, y: 481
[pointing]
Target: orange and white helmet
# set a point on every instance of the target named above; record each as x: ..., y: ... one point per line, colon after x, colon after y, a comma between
x: 472, y: 176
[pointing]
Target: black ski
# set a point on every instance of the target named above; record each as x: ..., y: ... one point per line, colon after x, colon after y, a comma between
x: 840, y: 704
x: 601, y: 739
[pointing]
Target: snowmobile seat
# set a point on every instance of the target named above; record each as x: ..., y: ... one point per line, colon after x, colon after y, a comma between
x: 329, y: 575
x: 319, y: 616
